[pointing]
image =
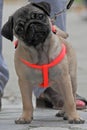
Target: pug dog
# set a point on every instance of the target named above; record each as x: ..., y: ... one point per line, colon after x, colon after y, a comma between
x: 53, y: 58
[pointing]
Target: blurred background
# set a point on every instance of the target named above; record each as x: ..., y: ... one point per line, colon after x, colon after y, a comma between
x: 77, y: 30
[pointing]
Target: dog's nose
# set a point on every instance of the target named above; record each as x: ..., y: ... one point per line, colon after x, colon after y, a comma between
x: 31, y: 27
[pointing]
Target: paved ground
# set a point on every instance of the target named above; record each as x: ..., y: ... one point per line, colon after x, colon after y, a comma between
x: 44, y: 119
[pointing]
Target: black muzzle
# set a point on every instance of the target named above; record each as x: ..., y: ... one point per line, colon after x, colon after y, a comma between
x: 36, y: 33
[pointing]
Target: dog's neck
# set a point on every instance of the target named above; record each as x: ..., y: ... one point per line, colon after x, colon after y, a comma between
x: 43, y: 53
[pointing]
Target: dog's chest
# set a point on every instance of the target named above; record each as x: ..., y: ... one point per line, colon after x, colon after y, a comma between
x: 42, y: 72
x: 36, y: 77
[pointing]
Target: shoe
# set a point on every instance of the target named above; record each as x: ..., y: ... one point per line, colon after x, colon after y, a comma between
x: 80, y: 105
x: 78, y: 97
x: 50, y: 99
x: 81, y: 102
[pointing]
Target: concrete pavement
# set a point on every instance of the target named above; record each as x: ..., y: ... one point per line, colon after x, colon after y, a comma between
x: 44, y: 119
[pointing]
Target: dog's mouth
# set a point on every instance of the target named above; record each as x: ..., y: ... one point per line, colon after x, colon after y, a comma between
x: 36, y: 33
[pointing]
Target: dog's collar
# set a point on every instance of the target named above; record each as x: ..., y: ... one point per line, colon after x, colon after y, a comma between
x: 45, y: 68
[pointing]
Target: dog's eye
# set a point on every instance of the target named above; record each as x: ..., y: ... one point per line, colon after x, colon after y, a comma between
x: 41, y: 16
x: 20, y: 29
x: 33, y: 16
x: 37, y: 16
x: 21, y: 24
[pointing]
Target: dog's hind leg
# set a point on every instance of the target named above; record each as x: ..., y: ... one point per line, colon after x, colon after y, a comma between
x: 60, y: 113
x: 26, y: 92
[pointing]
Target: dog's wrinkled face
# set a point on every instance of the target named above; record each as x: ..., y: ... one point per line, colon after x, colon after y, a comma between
x: 29, y: 24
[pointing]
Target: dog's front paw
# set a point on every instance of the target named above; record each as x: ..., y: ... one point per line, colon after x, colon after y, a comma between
x: 77, y: 121
x: 62, y: 114
x: 24, y: 120
x: 74, y: 118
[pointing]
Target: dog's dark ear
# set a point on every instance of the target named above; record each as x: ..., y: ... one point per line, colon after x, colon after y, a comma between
x: 45, y: 6
x: 7, y: 29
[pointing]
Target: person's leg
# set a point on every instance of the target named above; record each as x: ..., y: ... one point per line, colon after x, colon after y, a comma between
x: 4, y: 75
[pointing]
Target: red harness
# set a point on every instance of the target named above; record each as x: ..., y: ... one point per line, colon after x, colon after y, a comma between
x: 45, y: 68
